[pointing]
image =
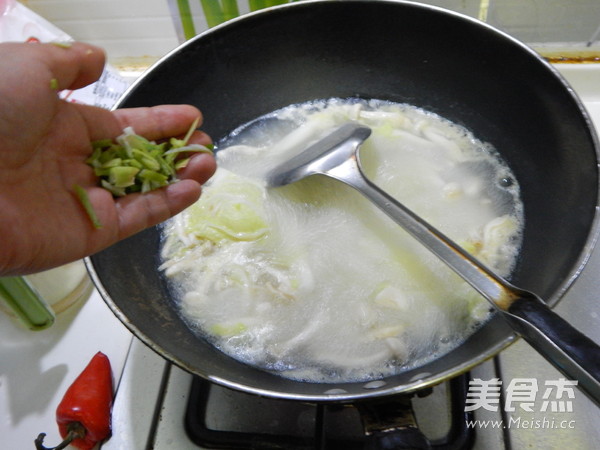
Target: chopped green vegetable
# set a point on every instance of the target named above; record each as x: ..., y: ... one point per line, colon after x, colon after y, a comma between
x: 135, y: 164
x: 87, y: 205
x: 54, y: 84
x: 122, y: 176
x: 65, y: 44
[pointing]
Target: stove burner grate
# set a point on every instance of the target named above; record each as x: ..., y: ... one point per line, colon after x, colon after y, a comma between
x: 219, y: 418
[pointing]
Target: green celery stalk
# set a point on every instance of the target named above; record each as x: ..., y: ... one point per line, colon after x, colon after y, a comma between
x: 185, y: 13
x: 275, y: 2
x: 212, y: 12
x: 26, y: 303
x: 260, y: 4
x: 255, y: 5
x: 230, y: 9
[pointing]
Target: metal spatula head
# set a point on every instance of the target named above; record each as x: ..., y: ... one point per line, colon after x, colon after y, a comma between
x: 324, y: 155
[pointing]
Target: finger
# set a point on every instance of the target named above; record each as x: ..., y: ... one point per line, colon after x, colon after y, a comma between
x: 199, y: 168
x: 133, y: 213
x: 154, y: 123
x: 139, y: 211
x: 74, y: 65
x: 159, y: 122
x: 200, y: 137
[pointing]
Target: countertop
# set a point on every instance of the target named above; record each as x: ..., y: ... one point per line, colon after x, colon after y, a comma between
x: 36, y: 368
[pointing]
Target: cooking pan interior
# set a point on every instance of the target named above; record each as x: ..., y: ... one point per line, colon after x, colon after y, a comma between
x: 404, y: 52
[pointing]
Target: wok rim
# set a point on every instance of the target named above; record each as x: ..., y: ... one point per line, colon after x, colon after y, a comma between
x: 427, y: 380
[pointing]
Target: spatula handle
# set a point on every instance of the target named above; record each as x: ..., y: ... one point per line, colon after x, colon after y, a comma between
x: 575, y: 355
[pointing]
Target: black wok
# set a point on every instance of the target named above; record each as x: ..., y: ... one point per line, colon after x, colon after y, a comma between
x: 447, y: 63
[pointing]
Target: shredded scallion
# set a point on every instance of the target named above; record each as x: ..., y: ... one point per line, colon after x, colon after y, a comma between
x: 133, y: 163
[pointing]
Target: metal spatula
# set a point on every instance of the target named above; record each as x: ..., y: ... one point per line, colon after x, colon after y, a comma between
x: 571, y: 352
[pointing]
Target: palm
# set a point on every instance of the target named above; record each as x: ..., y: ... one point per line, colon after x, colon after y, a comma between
x: 43, y: 147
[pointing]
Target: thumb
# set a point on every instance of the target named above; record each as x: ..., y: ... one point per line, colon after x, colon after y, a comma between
x: 73, y: 65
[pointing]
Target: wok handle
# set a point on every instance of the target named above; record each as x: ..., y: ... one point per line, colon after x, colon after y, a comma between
x: 575, y: 355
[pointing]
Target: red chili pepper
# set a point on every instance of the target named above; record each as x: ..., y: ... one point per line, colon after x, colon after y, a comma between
x: 83, y: 415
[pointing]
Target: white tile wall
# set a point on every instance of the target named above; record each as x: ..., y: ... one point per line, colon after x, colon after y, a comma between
x: 145, y: 28
x: 124, y: 28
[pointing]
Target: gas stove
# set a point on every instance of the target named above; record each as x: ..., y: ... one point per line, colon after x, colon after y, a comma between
x: 159, y: 406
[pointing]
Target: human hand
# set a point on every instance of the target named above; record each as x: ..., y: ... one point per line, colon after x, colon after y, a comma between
x: 44, y: 142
